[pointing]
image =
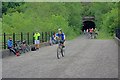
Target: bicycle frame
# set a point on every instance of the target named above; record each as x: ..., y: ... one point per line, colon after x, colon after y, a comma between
x: 60, y: 44
x: 60, y: 50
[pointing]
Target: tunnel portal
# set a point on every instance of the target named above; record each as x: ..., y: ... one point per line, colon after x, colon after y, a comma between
x: 88, y: 22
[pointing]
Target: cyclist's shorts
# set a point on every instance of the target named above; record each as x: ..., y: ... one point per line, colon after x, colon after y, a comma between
x: 37, y: 42
x: 62, y: 41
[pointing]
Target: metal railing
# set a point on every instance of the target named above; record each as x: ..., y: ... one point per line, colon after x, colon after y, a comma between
x: 45, y: 37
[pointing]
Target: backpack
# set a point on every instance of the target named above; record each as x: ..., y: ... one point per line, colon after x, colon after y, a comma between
x: 33, y: 48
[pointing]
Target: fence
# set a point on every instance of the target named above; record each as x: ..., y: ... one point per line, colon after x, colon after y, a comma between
x: 45, y: 37
x: 117, y: 31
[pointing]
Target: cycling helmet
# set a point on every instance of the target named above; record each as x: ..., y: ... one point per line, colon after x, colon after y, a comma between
x: 60, y: 29
x: 24, y: 41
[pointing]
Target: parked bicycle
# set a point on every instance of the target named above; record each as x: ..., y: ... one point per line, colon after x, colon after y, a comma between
x: 18, y: 46
x: 22, y: 47
x: 25, y: 47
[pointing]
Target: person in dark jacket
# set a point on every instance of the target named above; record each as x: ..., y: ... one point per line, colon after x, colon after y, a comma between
x: 10, y: 45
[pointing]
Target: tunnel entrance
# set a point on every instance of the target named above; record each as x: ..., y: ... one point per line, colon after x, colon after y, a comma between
x: 88, y: 22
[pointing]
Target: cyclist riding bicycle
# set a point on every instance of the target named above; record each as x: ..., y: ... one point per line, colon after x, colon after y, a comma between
x: 91, y: 30
x: 61, y: 36
x: 96, y: 31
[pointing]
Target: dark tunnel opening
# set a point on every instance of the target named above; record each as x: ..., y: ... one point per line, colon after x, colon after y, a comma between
x: 88, y: 25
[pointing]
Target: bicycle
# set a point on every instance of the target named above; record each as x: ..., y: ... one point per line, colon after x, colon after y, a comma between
x: 96, y: 34
x: 60, y: 49
x: 25, y: 47
x: 22, y: 47
x: 91, y: 35
x: 18, y: 46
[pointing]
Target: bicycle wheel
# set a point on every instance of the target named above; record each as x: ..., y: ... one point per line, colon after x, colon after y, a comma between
x: 96, y: 35
x: 21, y: 51
x: 89, y: 36
x: 93, y: 35
x: 58, y: 53
x: 28, y: 48
x: 63, y: 52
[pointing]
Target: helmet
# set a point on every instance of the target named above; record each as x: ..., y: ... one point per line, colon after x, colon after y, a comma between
x: 24, y: 41
x: 59, y: 29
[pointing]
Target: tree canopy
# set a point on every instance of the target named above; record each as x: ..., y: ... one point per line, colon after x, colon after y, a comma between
x: 45, y: 16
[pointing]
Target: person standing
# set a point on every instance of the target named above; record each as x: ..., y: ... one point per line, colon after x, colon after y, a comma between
x: 37, y: 40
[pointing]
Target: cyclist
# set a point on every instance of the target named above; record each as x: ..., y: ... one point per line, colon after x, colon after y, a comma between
x: 87, y: 30
x: 91, y: 30
x: 96, y: 31
x: 60, y: 35
x: 84, y: 31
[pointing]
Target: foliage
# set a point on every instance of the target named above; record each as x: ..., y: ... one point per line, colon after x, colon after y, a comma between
x: 43, y: 16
